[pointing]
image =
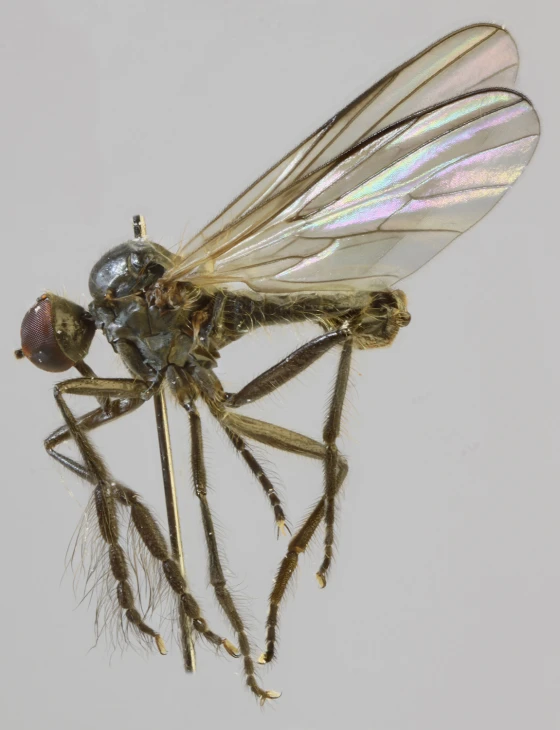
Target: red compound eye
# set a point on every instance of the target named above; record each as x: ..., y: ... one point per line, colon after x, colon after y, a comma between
x: 38, y: 339
x: 55, y: 333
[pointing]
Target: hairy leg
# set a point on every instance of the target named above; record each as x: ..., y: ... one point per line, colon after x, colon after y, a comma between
x: 295, y: 443
x: 240, y: 445
x: 281, y: 438
x: 331, y: 431
x: 289, y: 367
x: 281, y: 373
x: 186, y: 393
x: 108, y: 492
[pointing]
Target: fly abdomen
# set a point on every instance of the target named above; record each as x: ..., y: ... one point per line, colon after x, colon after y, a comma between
x: 373, y: 318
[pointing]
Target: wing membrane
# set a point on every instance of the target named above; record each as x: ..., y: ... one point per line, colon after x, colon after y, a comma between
x: 471, y: 58
x: 382, y: 209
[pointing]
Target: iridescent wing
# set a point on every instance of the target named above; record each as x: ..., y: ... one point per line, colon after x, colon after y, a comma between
x: 385, y: 207
x: 281, y: 221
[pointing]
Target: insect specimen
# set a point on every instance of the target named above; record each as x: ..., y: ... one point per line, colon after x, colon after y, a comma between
x: 363, y: 202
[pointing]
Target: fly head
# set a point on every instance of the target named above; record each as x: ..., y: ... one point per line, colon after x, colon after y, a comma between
x: 56, y: 333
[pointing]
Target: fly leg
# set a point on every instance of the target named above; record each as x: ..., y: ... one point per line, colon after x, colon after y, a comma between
x: 331, y: 431
x: 285, y: 370
x: 213, y: 394
x: 108, y: 494
x: 281, y: 438
x: 94, y: 419
x: 281, y: 373
x: 291, y: 366
x: 295, y: 443
x: 110, y: 410
x: 107, y: 514
x: 217, y: 577
x: 276, y: 376
x: 246, y: 454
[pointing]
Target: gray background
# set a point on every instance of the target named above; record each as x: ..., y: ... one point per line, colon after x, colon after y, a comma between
x: 443, y: 607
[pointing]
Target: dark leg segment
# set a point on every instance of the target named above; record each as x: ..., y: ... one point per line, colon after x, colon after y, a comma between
x: 206, y: 384
x: 109, y: 527
x: 241, y: 446
x: 153, y: 539
x: 292, y: 365
x: 94, y: 419
x: 331, y: 431
x: 217, y: 577
x: 298, y: 545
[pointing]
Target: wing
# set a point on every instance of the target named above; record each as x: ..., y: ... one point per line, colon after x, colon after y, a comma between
x: 471, y: 58
x: 388, y: 205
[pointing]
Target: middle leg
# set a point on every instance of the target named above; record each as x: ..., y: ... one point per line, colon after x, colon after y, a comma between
x: 217, y: 577
x: 291, y: 441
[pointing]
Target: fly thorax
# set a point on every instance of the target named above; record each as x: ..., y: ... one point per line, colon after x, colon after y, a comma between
x: 160, y: 337
x: 130, y: 268
x: 173, y: 295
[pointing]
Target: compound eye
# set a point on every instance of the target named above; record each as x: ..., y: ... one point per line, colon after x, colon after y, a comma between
x: 38, y: 339
x: 55, y: 334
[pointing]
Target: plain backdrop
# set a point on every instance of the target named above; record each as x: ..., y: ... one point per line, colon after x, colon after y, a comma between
x: 442, y: 609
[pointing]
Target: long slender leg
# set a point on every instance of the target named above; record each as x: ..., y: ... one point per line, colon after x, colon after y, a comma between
x: 335, y: 465
x: 296, y: 443
x: 270, y: 434
x: 108, y: 525
x: 241, y: 446
x: 294, y: 364
x: 284, y: 371
x: 187, y: 387
x: 331, y: 431
x: 88, y: 422
x: 292, y: 442
x: 298, y: 545
x: 109, y: 411
x: 151, y: 535
x: 174, y: 524
x: 217, y: 577
x: 95, y: 472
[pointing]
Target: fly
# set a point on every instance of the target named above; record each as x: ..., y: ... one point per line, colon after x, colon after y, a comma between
x: 322, y: 237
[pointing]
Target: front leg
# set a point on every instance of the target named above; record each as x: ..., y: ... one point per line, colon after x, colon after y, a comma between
x: 215, y: 568
x: 109, y: 494
x: 109, y: 411
x: 104, y: 499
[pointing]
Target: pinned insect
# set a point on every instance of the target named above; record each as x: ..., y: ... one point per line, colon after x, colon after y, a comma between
x: 363, y: 202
